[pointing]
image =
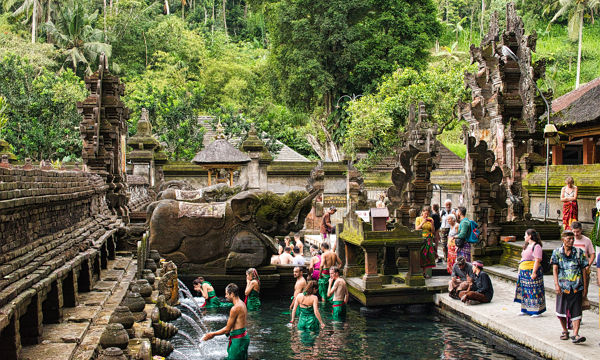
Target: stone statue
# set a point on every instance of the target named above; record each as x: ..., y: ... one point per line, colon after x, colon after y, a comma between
x: 168, y: 284
x: 214, y: 193
x: 232, y: 234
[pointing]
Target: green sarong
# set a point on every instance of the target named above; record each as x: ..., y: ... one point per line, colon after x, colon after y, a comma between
x: 324, y: 284
x: 339, y: 310
x: 307, y: 319
x: 238, y: 345
x: 252, y: 301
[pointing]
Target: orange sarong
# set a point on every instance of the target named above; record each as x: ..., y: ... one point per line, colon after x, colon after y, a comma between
x: 570, y: 213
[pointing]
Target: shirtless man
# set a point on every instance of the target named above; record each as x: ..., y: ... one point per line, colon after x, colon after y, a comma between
x: 298, y: 243
x: 328, y: 259
x: 300, y: 284
x: 236, y: 326
x: 339, y: 290
x: 286, y: 258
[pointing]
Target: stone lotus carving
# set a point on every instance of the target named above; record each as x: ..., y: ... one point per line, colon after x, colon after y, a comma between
x: 215, y: 193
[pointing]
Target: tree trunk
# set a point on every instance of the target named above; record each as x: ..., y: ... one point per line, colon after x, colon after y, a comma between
x: 579, y: 51
x: 104, y: 20
x: 33, y: 21
x: 246, y: 11
x: 205, y: 15
x: 224, y: 17
x: 482, y: 12
x: 182, y: 10
x: 167, y: 7
x: 212, y: 27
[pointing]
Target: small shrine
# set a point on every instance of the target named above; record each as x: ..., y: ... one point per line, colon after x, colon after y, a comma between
x: 146, y: 150
x: 221, y: 159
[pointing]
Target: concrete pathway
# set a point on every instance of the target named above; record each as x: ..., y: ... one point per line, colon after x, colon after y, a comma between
x: 539, y: 334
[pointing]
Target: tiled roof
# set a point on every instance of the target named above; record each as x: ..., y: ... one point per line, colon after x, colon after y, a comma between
x: 579, y: 105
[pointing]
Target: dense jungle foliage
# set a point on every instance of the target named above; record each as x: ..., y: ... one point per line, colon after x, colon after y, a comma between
x: 315, y: 75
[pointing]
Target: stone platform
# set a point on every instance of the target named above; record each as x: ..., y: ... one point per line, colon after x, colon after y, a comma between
x: 511, y: 251
x: 537, y: 334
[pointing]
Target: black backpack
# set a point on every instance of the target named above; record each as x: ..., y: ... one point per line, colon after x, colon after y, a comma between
x: 546, y: 267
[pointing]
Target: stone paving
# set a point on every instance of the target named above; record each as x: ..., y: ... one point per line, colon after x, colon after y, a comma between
x: 539, y: 334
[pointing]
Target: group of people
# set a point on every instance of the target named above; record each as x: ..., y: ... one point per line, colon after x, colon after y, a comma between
x: 291, y: 253
x: 324, y: 281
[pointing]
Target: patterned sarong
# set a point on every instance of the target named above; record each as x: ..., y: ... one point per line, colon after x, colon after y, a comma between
x: 451, y: 255
x: 465, y: 251
x: 530, y: 293
x: 570, y: 213
x: 428, y: 254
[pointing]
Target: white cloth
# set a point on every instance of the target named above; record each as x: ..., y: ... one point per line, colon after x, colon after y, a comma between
x: 299, y: 260
x: 444, y: 215
x: 453, y: 231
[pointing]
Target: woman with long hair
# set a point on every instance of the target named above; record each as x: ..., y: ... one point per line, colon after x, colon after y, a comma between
x: 425, y: 224
x: 568, y: 196
x: 530, y: 284
x: 252, y: 289
x: 309, y: 308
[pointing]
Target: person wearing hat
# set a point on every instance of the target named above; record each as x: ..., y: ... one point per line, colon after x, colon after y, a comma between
x: 483, y: 291
x: 326, y: 227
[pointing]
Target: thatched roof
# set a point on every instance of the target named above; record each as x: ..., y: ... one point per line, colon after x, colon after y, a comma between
x: 578, y: 106
x: 220, y: 151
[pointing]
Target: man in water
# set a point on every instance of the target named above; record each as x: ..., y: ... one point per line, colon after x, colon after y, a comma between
x: 236, y: 326
x: 300, y: 284
x: 286, y: 258
x: 298, y: 243
x: 328, y: 259
x: 339, y: 290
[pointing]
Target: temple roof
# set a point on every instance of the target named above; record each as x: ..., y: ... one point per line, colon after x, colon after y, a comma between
x: 578, y: 106
x: 220, y: 151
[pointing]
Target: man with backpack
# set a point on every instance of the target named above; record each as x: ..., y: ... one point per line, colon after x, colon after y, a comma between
x: 464, y: 234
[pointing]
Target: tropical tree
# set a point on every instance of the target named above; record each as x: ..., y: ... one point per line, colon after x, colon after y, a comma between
x: 37, y: 13
x: 449, y: 52
x: 576, y: 10
x: 74, y: 33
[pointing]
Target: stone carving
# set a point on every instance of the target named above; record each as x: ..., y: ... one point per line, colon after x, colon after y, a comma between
x: 317, y: 175
x: 168, y: 284
x: 114, y: 335
x: 412, y: 187
x: 165, y: 311
x: 200, y: 242
x: 161, y: 347
x: 215, y: 193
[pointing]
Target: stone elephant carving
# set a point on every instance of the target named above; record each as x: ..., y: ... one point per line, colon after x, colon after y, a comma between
x: 214, y: 193
x: 233, y: 234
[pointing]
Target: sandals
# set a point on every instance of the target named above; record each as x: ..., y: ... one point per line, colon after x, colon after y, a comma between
x: 578, y: 339
x: 565, y: 335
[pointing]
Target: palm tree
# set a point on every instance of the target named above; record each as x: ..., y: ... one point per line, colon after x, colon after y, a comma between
x: 458, y: 26
x: 449, y: 52
x: 575, y: 9
x: 37, y: 13
x: 74, y: 32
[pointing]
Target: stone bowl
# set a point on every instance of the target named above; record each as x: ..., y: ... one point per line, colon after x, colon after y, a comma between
x: 114, y: 335
x: 122, y: 315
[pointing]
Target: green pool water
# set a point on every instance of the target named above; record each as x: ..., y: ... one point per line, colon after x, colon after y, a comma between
x: 366, y: 334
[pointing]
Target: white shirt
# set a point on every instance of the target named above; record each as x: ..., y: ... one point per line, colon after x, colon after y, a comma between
x: 299, y: 260
x: 444, y: 214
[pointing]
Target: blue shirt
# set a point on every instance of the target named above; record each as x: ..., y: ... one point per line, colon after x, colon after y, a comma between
x: 570, y: 268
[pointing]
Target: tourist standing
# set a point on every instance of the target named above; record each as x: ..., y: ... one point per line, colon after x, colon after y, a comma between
x: 530, y: 291
x: 452, y: 232
x: 569, y: 264
x: 287, y: 240
x: 326, y: 227
x: 568, y: 195
x: 462, y: 277
x: 437, y: 224
x: 484, y: 291
x: 298, y: 259
x: 463, y: 248
x: 208, y: 292
x: 381, y: 202
x: 428, y: 255
x: 236, y: 326
x: 445, y: 226
x: 252, y: 289
x: 308, y: 303
x: 298, y: 243
x: 328, y: 259
x: 584, y: 243
x: 299, y: 286
x: 286, y: 258
x: 339, y: 290
x: 315, y: 263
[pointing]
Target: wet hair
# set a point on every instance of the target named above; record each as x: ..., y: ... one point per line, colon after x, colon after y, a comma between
x: 287, y: 238
x: 567, y: 233
x: 287, y: 249
x: 535, y: 236
x: 297, y: 236
x: 569, y: 180
x: 254, y: 274
x: 335, y: 269
x: 199, y: 280
x: 462, y: 210
x: 576, y: 225
x: 310, y: 287
x: 325, y: 246
x: 426, y: 208
x: 233, y: 289
x: 299, y: 269
x: 296, y: 250
x: 436, y: 207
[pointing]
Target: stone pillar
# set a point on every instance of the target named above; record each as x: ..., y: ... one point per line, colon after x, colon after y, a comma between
x: 371, y: 279
x: 256, y: 171
x: 10, y: 340
x: 52, y: 306
x: 402, y: 261
x: 5, y: 150
x: 31, y: 328
x: 143, y: 144
x: 414, y: 277
x: 351, y: 269
x: 70, y: 289
x: 389, y: 261
x: 588, y: 151
x: 85, y: 276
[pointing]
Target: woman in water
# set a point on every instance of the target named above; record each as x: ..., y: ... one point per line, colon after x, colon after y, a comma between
x: 208, y: 292
x: 315, y: 263
x: 428, y: 255
x: 309, y: 308
x: 252, y: 289
x: 568, y: 195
